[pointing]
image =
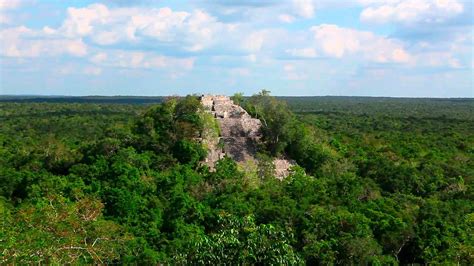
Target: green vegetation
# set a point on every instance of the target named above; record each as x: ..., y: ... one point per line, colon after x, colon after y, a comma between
x: 379, y: 181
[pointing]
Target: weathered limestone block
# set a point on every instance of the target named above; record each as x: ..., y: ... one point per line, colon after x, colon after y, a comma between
x: 282, y: 167
x: 207, y: 101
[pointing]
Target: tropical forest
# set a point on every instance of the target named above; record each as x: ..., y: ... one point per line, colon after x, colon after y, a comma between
x: 128, y: 180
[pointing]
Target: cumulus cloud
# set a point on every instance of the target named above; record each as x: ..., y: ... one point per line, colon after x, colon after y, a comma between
x: 452, y: 56
x: 410, y: 11
x: 24, y: 42
x: 438, y: 32
x: 79, y: 21
x: 335, y: 41
x: 97, y: 24
x: 171, y: 41
x: 192, y: 31
x: 332, y: 41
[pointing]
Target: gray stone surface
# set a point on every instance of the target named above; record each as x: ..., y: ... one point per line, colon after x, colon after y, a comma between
x: 240, y: 134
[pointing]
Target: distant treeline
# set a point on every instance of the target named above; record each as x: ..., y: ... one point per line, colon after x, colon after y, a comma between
x: 301, y: 102
x: 84, y: 99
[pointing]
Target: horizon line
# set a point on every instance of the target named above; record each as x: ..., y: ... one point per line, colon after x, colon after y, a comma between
x: 180, y: 95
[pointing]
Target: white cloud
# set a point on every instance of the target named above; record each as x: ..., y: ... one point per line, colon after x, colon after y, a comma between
x: 5, y: 6
x: 173, y: 32
x: 9, y: 4
x: 438, y: 59
x: 73, y: 47
x: 191, y: 31
x: 260, y: 41
x: 106, y: 37
x: 455, y: 54
x: 160, y: 24
x: 49, y: 31
x: 24, y: 42
x: 97, y: 23
x: 400, y: 55
x: 304, y: 8
x: 335, y: 41
x: 201, y: 30
x: 80, y: 20
x: 410, y: 11
x: 98, y: 58
x: 254, y: 41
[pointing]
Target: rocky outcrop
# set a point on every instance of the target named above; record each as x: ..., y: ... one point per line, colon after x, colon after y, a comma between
x: 239, y: 134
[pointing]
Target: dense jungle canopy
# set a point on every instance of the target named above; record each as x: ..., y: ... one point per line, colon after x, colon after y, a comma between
x: 379, y: 181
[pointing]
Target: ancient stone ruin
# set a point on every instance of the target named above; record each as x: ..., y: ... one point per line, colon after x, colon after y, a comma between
x: 239, y: 134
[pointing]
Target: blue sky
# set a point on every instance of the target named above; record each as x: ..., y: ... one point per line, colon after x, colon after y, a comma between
x: 401, y: 48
